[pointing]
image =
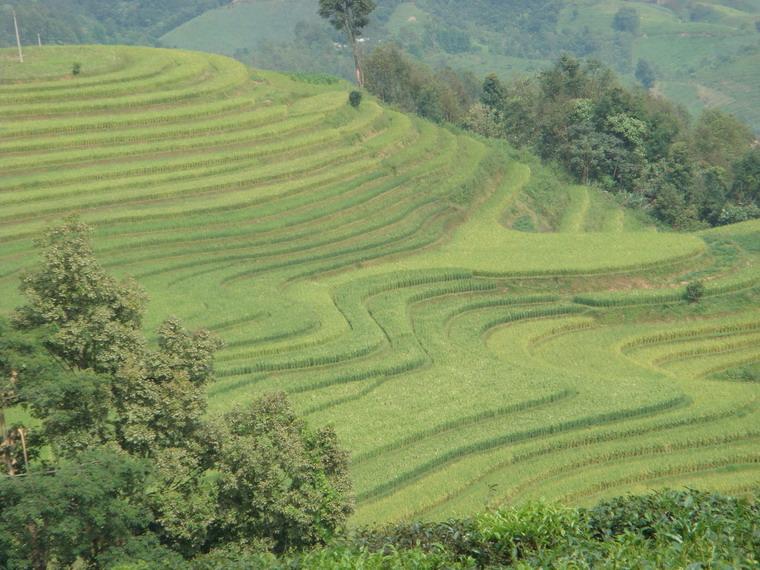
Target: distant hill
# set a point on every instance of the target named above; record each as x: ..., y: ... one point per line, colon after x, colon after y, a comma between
x: 97, y: 21
x: 704, y: 54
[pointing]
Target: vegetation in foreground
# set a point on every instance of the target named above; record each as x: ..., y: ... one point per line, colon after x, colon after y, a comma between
x: 118, y: 457
x: 670, y: 529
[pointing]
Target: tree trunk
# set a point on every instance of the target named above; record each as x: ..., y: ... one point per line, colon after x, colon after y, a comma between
x: 357, y: 64
x: 352, y: 39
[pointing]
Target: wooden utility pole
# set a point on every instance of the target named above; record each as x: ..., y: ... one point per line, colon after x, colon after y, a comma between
x: 6, y: 439
x: 18, y: 37
x: 352, y: 38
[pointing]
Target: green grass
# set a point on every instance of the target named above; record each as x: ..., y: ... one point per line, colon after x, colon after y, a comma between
x: 370, y: 264
x: 241, y: 25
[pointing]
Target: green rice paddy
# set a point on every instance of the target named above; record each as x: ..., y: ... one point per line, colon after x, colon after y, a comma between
x: 357, y: 259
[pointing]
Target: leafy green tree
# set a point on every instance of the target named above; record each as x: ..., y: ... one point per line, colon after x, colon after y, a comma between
x: 567, y: 79
x: 670, y: 207
x: 483, y: 120
x: 72, y: 405
x: 587, y: 154
x: 746, y: 186
x: 72, y: 513
x: 186, y: 507
x: 695, y: 290
x: 92, y: 323
x: 350, y: 17
x: 276, y: 478
x: 719, y: 139
x: 355, y: 99
x: 160, y: 397
x: 396, y: 79
x: 715, y: 183
x: 645, y: 73
x: 494, y: 93
x: 390, y: 75
x: 94, y: 320
x: 626, y: 20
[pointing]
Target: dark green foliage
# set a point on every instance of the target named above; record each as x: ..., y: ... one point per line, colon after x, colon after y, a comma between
x: 74, y: 512
x: 277, y: 479
x: 143, y: 552
x: 94, y: 320
x: 645, y: 73
x: 719, y: 139
x: 695, y: 291
x: 349, y: 17
x: 76, y: 69
x: 160, y: 396
x: 746, y: 186
x: 398, y: 80
x: 626, y: 20
x: 453, y: 40
x: 672, y: 512
x: 72, y: 405
x: 578, y: 115
x: 669, y: 529
x: 494, y: 94
x: 458, y: 537
x: 355, y: 99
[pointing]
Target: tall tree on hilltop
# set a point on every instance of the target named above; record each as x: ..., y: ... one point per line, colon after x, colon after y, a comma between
x: 349, y: 16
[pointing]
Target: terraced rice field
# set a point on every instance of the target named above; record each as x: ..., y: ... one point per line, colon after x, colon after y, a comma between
x: 356, y: 259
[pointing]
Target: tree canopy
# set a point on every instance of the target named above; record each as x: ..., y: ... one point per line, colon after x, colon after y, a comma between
x: 350, y: 17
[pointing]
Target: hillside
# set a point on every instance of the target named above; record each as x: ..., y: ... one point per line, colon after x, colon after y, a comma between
x: 360, y: 260
x: 705, y: 54
x: 97, y: 21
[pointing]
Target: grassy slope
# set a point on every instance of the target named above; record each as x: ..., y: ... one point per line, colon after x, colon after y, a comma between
x: 712, y: 63
x: 358, y: 260
x: 241, y: 25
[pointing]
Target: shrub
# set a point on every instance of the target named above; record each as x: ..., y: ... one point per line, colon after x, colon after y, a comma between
x: 76, y: 69
x: 671, y: 513
x: 626, y: 20
x: 355, y: 99
x: 695, y: 291
x: 524, y: 531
